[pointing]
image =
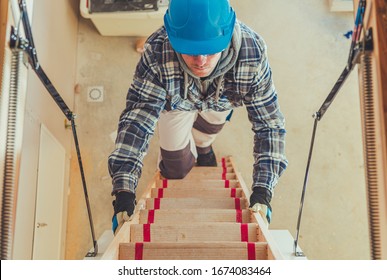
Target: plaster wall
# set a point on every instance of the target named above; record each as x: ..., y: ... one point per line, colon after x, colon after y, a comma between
x: 307, y: 52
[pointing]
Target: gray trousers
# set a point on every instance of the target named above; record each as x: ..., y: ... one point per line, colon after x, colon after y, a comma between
x: 182, y: 135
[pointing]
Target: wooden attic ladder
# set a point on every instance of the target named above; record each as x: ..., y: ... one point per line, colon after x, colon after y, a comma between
x: 204, y: 216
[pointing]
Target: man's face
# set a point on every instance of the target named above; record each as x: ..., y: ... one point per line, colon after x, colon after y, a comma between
x: 201, y: 65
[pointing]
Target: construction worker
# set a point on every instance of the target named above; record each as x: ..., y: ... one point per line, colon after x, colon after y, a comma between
x: 194, y: 71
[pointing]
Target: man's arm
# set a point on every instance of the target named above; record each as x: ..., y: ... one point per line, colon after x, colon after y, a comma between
x: 268, y: 125
x: 145, y: 100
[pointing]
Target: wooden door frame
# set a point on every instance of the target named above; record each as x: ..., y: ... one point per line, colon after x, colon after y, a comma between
x: 3, y: 32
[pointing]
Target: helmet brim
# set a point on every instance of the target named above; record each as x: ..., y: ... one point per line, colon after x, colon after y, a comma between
x: 207, y: 47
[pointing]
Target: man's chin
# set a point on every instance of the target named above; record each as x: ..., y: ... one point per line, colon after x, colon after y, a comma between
x: 201, y: 73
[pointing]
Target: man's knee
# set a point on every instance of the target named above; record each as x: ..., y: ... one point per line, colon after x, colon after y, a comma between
x: 206, y: 127
x: 177, y: 172
x: 176, y: 164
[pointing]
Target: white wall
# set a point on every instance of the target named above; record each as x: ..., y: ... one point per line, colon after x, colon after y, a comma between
x: 54, y: 27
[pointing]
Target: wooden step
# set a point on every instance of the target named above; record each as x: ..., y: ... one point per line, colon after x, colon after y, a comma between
x: 224, y: 162
x: 210, y: 169
x: 181, y: 216
x: 196, y: 192
x: 193, y: 251
x: 191, y: 203
x: 210, y: 176
x: 183, y: 183
x: 194, y: 232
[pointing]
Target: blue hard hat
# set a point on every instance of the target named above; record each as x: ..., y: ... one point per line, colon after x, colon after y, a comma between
x: 199, y: 27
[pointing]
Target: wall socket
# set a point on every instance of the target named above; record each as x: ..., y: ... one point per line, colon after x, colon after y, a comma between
x: 95, y: 94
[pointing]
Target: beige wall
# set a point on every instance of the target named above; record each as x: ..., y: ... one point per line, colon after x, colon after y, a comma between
x: 54, y: 27
x: 307, y: 51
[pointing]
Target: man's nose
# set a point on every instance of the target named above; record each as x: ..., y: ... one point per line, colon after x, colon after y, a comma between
x: 200, y: 59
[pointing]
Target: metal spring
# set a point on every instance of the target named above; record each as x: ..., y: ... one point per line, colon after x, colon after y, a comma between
x: 371, y: 156
x: 8, y: 195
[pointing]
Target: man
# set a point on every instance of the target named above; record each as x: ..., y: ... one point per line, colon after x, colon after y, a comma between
x: 194, y: 71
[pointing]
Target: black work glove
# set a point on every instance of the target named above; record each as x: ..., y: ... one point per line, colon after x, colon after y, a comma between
x: 123, y: 205
x: 260, y: 202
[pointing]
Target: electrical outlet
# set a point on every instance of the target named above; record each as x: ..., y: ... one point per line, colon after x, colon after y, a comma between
x: 95, y: 94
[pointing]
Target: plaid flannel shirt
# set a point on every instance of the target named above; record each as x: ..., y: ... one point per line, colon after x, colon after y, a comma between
x: 158, y: 85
